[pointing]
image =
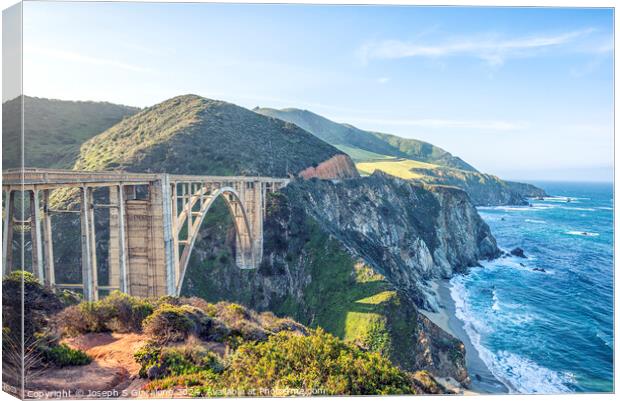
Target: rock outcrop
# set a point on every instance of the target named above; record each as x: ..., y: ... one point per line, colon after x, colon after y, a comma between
x: 338, y: 167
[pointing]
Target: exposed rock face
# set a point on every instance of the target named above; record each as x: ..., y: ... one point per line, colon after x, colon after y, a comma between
x: 338, y: 167
x: 525, y: 190
x: 352, y: 257
x: 483, y: 189
x: 407, y: 232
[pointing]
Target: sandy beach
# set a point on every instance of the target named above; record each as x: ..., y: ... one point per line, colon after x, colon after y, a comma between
x: 482, y: 380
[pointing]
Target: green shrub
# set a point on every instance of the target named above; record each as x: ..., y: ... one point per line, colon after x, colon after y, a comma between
x: 157, y: 361
x: 241, y: 322
x: 317, y: 361
x: 62, y: 355
x: 147, y: 356
x: 169, y: 323
x: 27, y: 305
x: 189, y: 381
x: 117, y: 312
x: 22, y: 276
x: 127, y: 312
x: 86, y: 317
x: 286, y: 360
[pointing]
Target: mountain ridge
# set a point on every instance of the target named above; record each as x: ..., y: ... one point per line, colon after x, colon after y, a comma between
x: 408, y: 158
x: 349, y: 135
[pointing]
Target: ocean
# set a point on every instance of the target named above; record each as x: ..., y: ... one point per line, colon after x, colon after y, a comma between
x: 548, y: 330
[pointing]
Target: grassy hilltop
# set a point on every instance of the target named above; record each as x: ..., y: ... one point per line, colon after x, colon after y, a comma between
x: 194, y: 135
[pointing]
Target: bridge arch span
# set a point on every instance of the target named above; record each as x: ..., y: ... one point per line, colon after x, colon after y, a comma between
x: 245, y: 257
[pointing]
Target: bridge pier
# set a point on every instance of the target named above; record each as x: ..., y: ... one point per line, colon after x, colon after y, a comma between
x: 86, y: 244
x: 117, y: 248
x: 35, y: 235
x: 48, y: 243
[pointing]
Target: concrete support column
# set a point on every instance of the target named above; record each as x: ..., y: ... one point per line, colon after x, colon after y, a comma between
x: 174, y: 214
x: 122, y: 242
x: 117, y: 249
x: 35, y: 236
x: 48, y: 247
x: 114, y: 246
x: 93, y: 244
x: 169, y: 241
x: 87, y: 267
x: 258, y: 203
x: 7, y: 232
x: 263, y: 191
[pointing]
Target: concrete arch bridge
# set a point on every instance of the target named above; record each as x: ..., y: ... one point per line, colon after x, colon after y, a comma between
x: 154, y: 221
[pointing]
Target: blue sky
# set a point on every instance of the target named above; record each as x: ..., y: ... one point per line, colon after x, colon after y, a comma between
x: 524, y: 93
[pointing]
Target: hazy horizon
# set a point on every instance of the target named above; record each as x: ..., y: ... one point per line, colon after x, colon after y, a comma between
x: 519, y: 93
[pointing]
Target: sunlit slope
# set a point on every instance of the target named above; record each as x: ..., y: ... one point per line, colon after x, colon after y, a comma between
x: 403, y: 168
x: 483, y: 189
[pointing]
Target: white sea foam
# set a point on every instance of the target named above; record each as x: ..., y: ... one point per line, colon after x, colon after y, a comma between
x: 533, y: 208
x: 495, y: 306
x: 528, y: 377
x: 535, y: 221
x: 518, y: 373
x: 585, y: 209
x: 583, y: 233
x: 604, y: 208
x: 564, y: 199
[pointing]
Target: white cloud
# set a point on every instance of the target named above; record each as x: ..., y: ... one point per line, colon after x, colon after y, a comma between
x: 81, y: 58
x: 493, y: 50
x: 487, y: 125
x: 383, y: 80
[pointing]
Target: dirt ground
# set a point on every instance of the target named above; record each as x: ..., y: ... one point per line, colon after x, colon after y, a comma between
x: 112, y: 373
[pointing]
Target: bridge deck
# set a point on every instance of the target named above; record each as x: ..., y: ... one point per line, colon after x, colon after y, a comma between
x: 37, y: 176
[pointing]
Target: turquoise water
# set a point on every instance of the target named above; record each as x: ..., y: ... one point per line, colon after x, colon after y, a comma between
x: 552, y: 331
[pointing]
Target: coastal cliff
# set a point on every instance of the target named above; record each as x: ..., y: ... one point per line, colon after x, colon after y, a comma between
x: 408, y: 232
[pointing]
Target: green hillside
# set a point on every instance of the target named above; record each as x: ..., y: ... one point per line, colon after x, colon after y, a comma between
x: 408, y: 158
x: 194, y: 135
x: 358, y: 141
x: 54, y: 129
